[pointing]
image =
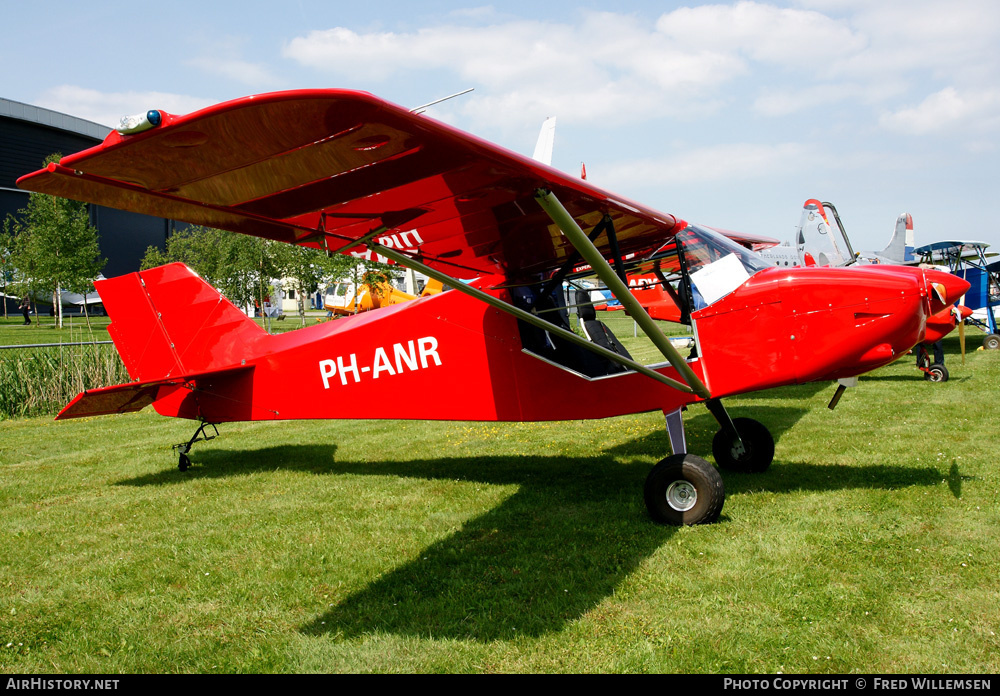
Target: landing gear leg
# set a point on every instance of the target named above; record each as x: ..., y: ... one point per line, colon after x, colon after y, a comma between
x: 200, y: 435
x: 675, y: 431
x: 742, y: 444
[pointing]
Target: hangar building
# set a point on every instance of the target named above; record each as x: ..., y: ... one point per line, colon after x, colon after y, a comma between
x: 29, y: 134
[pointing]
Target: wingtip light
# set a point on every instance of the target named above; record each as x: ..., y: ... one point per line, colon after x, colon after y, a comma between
x: 137, y: 123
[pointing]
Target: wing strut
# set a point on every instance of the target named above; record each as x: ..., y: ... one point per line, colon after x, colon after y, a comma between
x: 603, y: 269
x: 528, y: 317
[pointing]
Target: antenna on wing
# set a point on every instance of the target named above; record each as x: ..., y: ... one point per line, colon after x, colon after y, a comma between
x: 420, y: 109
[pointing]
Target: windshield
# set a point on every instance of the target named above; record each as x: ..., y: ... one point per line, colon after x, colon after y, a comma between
x: 703, y: 247
x: 715, y: 264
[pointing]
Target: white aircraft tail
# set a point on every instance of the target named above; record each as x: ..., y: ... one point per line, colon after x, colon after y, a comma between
x: 546, y: 140
x: 900, y: 247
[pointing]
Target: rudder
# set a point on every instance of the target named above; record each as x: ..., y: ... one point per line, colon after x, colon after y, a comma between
x: 167, y: 321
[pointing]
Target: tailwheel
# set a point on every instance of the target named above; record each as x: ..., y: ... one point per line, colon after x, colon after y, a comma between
x: 200, y: 435
x: 684, y: 490
x: 991, y: 342
x: 753, y: 455
x: 936, y: 373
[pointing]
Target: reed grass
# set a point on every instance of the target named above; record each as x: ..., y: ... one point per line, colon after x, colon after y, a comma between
x: 38, y: 381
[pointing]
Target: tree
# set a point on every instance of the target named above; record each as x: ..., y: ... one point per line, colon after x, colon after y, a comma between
x: 308, y: 269
x: 229, y: 262
x: 241, y: 267
x: 6, y: 265
x: 55, y: 247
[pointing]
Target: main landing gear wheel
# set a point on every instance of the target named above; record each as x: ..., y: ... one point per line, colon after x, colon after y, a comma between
x: 756, y: 453
x: 991, y: 342
x: 683, y: 490
x: 936, y: 373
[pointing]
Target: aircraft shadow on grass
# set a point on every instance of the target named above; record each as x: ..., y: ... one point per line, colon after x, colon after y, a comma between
x: 917, y: 377
x: 215, y: 463
x: 550, y: 553
x: 701, y: 428
x: 795, y: 391
x: 544, y: 557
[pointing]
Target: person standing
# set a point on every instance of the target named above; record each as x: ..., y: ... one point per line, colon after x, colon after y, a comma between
x: 26, y: 309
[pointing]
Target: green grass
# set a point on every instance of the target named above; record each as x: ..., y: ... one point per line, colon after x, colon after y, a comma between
x: 401, y: 546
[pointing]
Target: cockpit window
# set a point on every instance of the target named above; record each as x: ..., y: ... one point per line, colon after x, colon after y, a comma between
x: 715, y: 264
x: 703, y: 247
x: 709, y: 267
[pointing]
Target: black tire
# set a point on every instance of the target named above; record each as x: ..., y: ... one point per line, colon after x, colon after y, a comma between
x: 684, y: 490
x: 758, y: 447
x: 183, y: 462
x: 936, y: 373
x: 991, y: 342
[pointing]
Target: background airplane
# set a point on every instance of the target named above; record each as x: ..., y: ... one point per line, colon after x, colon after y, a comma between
x: 968, y: 260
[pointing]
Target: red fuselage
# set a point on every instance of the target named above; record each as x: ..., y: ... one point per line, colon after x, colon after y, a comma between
x: 782, y: 326
x: 789, y: 326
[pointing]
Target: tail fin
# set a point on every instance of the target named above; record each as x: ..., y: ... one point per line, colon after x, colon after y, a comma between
x: 900, y: 247
x: 546, y: 139
x: 167, y: 322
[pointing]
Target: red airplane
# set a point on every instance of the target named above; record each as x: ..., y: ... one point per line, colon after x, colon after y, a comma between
x: 344, y: 171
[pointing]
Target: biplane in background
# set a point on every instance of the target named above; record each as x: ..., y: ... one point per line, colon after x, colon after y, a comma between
x: 346, y: 172
x: 968, y: 260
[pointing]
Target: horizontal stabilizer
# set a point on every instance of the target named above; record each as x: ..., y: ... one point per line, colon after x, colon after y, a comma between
x: 122, y: 398
x: 135, y: 396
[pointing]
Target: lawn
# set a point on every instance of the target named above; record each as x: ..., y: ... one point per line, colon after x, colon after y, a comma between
x: 869, y: 546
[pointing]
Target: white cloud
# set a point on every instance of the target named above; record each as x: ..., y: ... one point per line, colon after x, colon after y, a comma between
x: 955, y: 41
x: 608, y: 67
x: 787, y: 37
x: 251, y: 74
x: 617, y: 68
x: 224, y: 57
x: 107, y: 108
x: 729, y: 162
x: 947, y: 110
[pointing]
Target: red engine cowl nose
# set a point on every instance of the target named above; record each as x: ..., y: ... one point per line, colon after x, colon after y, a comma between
x: 942, y: 323
x: 943, y: 289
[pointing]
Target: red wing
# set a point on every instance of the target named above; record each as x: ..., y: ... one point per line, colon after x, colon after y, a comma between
x: 751, y: 241
x: 294, y: 166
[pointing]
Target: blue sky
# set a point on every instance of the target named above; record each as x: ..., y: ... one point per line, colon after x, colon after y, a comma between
x: 730, y: 114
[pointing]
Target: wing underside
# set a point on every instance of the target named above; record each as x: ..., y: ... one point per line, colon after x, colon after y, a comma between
x: 323, y: 168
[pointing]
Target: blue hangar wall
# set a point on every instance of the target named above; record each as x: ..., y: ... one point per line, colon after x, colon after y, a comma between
x: 29, y: 134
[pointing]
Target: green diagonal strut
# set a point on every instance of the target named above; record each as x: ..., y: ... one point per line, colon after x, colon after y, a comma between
x: 603, y: 269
